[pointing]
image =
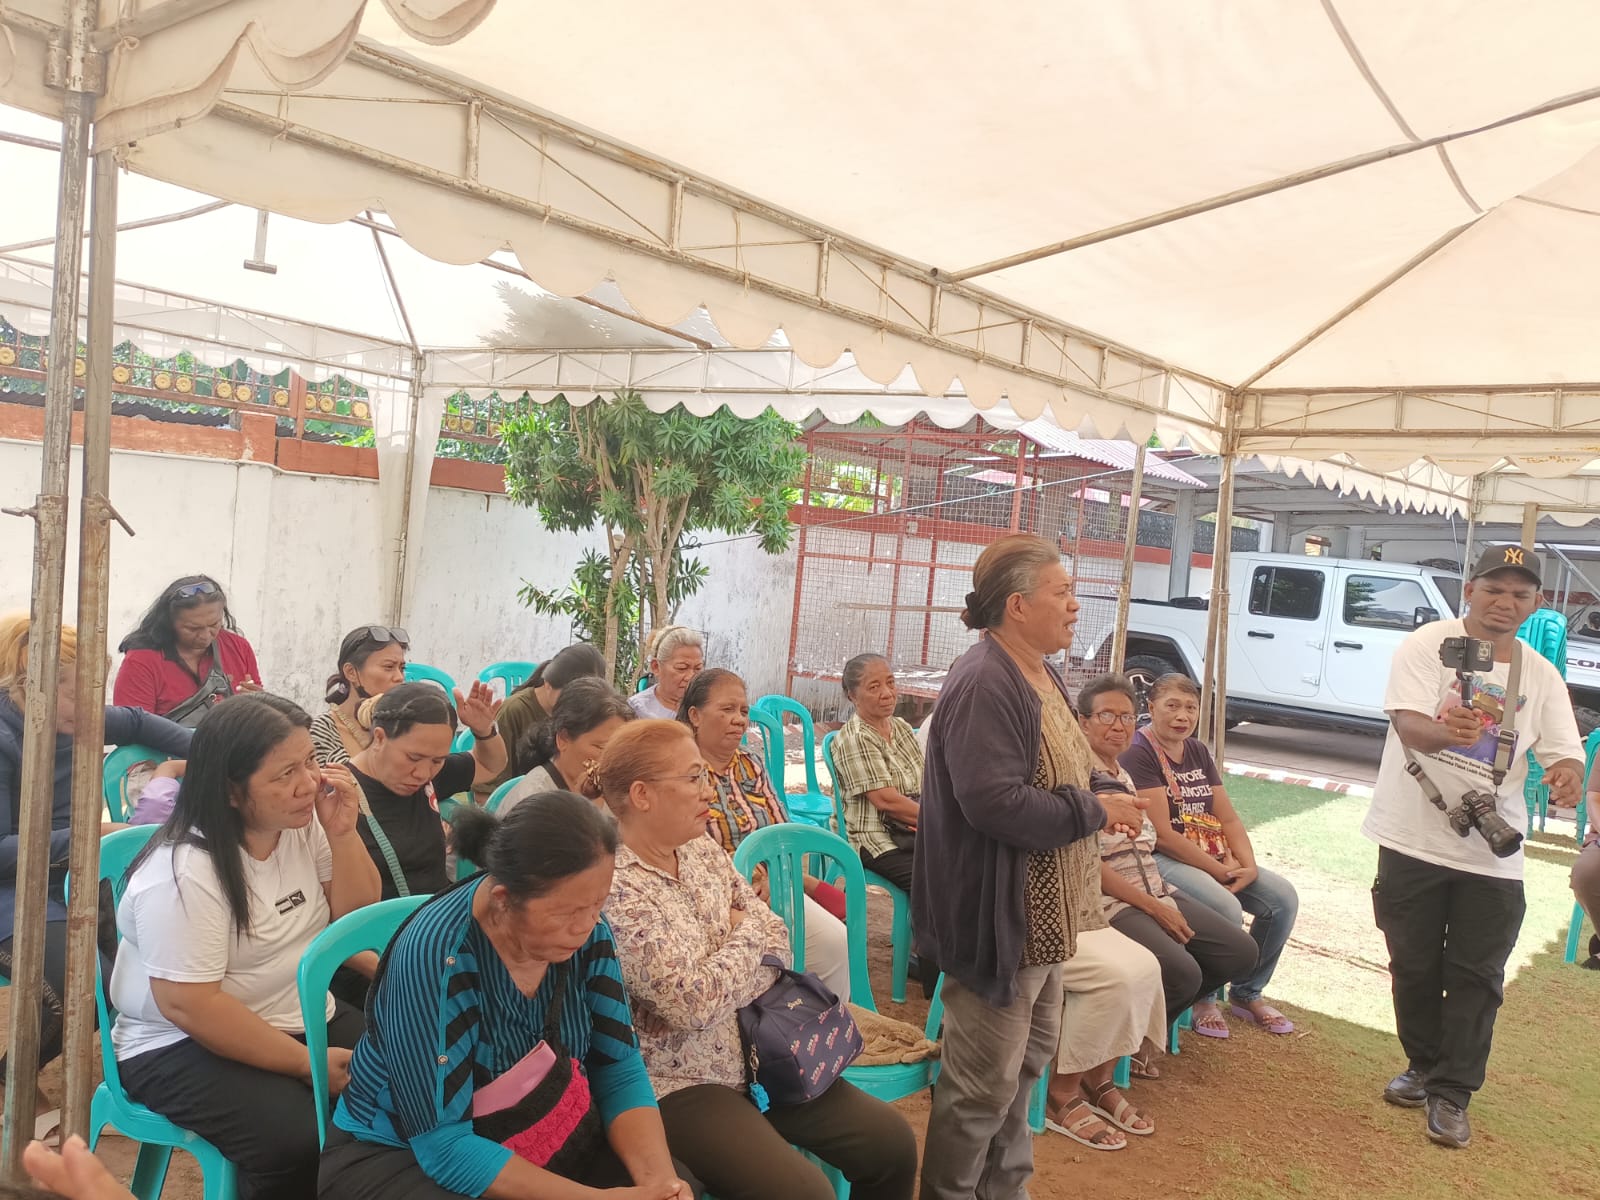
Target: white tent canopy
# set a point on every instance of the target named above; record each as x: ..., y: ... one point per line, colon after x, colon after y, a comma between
x: 970, y: 200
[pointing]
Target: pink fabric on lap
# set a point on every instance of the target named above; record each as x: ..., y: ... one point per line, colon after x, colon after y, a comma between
x: 540, y: 1142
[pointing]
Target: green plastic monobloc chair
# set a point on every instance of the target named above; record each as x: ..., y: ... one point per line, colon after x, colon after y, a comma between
x: 369, y: 928
x: 512, y: 674
x: 422, y: 673
x: 111, y: 1106
x: 784, y: 851
x: 114, y: 780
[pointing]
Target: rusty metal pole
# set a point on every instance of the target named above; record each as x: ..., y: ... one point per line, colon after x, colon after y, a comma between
x: 49, y: 512
x: 1221, y: 601
x: 80, y: 1045
x: 1119, y: 637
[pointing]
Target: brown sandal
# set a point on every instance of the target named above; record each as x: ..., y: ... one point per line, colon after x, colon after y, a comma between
x: 1122, y: 1114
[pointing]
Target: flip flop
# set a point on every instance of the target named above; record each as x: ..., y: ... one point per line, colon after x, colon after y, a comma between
x: 1220, y: 1030
x: 1140, y: 1066
x: 1074, y: 1129
x: 1273, y: 1022
x: 47, y: 1129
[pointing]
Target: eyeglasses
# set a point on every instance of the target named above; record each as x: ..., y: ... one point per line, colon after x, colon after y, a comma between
x: 1128, y: 720
x: 190, y: 590
x: 383, y: 635
x: 698, y: 777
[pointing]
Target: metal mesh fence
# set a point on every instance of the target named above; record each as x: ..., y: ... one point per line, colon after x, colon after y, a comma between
x: 892, y: 522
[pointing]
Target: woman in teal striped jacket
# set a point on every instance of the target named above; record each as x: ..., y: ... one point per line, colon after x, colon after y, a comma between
x: 470, y: 987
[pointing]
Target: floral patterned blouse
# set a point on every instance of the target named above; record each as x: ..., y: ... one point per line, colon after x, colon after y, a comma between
x: 688, y: 971
x: 746, y: 802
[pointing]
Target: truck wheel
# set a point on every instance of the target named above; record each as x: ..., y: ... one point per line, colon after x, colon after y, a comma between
x: 1143, y: 670
x: 1588, y: 720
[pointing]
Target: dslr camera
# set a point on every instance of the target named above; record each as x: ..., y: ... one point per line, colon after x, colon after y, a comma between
x: 1479, y: 810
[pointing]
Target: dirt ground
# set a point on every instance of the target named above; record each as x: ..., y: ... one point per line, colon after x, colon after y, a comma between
x: 1259, y: 1117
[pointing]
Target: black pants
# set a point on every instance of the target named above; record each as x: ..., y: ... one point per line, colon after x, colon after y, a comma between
x: 894, y: 866
x: 51, y: 1011
x: 357, y: 1170
x: 1449, y: 933
x: 1218, y: 952
x: 263, y: 1122
x: 742, y: 1153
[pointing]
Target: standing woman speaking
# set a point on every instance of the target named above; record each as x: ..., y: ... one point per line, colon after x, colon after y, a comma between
x: 186, y: 654
x: 1005, y: 814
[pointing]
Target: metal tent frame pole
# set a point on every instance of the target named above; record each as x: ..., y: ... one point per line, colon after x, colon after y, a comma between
x: 49, y: 512
x: 1130, y: 545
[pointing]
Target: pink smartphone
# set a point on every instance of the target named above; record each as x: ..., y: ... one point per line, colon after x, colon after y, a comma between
x: 516, y: 1083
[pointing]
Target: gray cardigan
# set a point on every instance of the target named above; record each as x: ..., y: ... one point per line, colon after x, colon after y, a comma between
x: 980, y: 819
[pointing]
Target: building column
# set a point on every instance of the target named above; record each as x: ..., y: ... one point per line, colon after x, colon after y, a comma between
x: 1183, y: 519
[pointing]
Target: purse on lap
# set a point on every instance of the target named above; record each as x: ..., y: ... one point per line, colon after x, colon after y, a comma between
x: 798, y: 1037
x: 541, y: 1109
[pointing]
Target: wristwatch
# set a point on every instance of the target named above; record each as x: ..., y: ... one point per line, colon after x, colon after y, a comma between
x: 494, y: 732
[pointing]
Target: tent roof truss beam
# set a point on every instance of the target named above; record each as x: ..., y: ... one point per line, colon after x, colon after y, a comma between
x: 908, y: 298
x: 1266, y: 188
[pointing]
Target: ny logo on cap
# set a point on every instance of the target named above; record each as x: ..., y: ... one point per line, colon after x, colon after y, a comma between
x: 1513, y: 556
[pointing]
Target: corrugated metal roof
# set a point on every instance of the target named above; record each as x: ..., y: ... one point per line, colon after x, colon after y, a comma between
x: 1101, y: 450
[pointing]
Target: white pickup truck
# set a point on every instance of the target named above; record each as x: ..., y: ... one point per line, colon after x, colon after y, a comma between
x: 1583, y: 667
x: 1309, y: 639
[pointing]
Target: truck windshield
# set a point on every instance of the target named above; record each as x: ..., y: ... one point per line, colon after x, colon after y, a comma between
x: 1450, y: 588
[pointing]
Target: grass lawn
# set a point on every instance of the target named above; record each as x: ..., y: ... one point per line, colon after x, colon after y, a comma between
x: 1535, y: 1132
x: 1300, y: 1117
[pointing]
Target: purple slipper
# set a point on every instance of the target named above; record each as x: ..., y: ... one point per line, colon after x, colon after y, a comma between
x: 1212, y: 1011
x: 1273, y: 1022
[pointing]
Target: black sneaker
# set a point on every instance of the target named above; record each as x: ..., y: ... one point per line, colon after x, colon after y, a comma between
x: 1447, y: 1123
x: 1406, y: 1090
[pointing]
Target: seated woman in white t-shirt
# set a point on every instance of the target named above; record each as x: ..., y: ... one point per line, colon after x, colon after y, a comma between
x: 260, y: 853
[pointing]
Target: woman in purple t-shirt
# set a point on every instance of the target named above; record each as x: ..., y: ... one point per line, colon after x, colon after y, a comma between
x: 1203, y: 850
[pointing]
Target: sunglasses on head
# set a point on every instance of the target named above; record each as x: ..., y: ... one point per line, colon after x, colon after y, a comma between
x: 383, y: 635
x: 190, y: 590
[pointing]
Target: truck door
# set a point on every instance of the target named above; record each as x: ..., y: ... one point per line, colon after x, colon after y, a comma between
x: 1281, y: 629
x: 1371, y: 617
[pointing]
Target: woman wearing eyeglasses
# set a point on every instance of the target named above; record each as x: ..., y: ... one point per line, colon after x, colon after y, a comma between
x: 186, y: 654
x: 1198, y: 950
x: 372, y: 659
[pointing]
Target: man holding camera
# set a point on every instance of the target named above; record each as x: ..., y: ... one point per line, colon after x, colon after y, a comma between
x: 1467, y: 702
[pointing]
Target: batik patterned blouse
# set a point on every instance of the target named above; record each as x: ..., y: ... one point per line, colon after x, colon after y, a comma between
x: 687, y: 969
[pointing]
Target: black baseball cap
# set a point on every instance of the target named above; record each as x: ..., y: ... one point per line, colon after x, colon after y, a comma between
x: 1508, y: 558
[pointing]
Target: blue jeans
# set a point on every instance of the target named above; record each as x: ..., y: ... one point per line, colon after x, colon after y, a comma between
x: 1272, y: 902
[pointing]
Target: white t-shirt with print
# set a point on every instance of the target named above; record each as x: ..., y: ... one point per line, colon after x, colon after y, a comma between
x: 183, y: 932
x: 1401, y: 817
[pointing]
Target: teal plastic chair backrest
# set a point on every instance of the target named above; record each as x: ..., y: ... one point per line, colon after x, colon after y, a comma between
x: 369, y: 928
x: 422, y: 673
x: 514, y: 674
x: 114, y: 780
x: 1546, y: 632
x: 772, y: 745
x: 784, y: 850
x: 500, y: 793
x: 1591, y: 744
x: 781, y: 706
x: 117, y: 851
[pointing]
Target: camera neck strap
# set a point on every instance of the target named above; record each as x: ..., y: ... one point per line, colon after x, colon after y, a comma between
x: 1505, y: 743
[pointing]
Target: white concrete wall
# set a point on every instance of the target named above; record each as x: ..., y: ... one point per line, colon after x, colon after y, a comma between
x: 300, y: 559
x: 745, y: 610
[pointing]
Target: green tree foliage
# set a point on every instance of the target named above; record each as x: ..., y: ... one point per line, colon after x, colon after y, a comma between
x: 651, y: 482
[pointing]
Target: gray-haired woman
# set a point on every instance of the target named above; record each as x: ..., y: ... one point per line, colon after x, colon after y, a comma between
x: 677, y: 655
x: 1007, y: 822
